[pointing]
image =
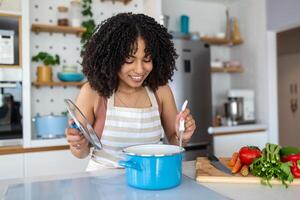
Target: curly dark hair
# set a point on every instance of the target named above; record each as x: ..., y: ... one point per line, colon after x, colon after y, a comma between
x: 114, y: 40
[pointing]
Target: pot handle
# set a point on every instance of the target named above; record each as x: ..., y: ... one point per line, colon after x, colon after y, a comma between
x: 129, y: 164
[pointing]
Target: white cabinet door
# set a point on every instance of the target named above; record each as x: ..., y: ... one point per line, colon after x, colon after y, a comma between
x: 11, y: 166
x: 53, y: 163
x: 225, y: 145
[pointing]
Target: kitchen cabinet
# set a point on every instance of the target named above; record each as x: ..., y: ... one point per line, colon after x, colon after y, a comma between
x: 12, y: 166
x: 46, y: 163
x: 226, y: 144
x: 52, y: 163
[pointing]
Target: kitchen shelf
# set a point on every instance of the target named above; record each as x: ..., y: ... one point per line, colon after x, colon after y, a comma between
x: 226, y: 69
x: 63, y: 84
x: 57, y: 29
x: 220, y: 41
x: 124, y: 1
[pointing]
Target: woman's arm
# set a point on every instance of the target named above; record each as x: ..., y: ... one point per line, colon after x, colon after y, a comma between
x: 170, y: 117
x: 86, y: 101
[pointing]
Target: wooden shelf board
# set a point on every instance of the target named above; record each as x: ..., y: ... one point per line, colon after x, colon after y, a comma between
x: 63, y: 84
x: 227, y: 69
x: 57, y: 29
x: 124, y: 1
x: 221, y: 41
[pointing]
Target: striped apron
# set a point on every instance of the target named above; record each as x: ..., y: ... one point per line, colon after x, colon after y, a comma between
x: 125, y: 127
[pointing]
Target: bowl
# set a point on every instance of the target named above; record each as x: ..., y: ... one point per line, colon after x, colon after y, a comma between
x: 70, y: 76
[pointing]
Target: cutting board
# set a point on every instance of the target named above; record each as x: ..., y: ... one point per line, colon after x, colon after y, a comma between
x: 206, y: 173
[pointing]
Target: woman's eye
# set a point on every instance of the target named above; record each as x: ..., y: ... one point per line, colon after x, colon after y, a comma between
x: 129, y: 61
x: 147, y: 60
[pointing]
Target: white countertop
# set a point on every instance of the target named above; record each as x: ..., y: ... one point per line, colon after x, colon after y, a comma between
x: 233, y: 191
x: 238, y: 128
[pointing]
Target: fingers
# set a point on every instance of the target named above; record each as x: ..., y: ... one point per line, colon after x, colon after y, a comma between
x: 190, y: 127
x: 185, y: 113
x: 70, y: 122
x: 79, y: 143
x: 73, y: 135
x: 190, y: 124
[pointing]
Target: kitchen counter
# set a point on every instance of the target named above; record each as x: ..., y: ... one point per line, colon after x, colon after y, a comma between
x: 232, y: 191
x: 249, y: 128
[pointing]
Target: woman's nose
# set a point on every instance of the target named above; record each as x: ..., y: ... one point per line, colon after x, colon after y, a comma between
x: 139, y: 68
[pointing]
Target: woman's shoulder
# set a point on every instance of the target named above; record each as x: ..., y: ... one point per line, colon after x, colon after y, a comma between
x: 164, y: 90
x: 88, y: 95
x: 164, y: 93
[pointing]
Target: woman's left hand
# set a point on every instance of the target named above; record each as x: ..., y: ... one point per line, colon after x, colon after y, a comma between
x: 189, y: 125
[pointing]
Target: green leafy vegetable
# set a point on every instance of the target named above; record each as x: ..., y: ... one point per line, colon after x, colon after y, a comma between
x: 269, y: 166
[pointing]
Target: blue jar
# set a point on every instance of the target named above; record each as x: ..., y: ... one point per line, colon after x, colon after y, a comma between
x: 184, y: 24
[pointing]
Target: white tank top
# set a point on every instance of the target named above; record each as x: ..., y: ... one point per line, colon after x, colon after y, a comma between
x: 125, y: 127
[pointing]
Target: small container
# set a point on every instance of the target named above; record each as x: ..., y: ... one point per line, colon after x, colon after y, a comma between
x: 70, y: 68
x: 75, y: 13
x: 184, y: 24
x: 63, y: 15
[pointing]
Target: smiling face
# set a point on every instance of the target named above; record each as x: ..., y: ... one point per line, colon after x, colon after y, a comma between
x: 136, y: 68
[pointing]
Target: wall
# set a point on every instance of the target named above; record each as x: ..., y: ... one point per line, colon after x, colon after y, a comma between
x: 282, y: 14
x: 288, y: 81
x: 252, y: 53
x: 206, y: 18
x: 288, y: 86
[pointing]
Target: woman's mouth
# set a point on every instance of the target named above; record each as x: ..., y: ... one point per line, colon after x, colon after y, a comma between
x: 136, y: 78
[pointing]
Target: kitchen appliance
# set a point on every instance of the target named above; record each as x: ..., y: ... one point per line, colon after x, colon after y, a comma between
x: 192, y: 81
x: 153, y: 166
x: 50, y: 126
x: 7, y: 47
x: 10, y: 113
x: 233, y: 111
x: 247, y: 108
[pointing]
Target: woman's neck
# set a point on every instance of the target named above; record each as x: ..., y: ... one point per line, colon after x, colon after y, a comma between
x: 128, y: 90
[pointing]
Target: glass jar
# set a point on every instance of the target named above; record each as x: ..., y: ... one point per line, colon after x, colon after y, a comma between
x: 62, y: 18
x: 75, y: 13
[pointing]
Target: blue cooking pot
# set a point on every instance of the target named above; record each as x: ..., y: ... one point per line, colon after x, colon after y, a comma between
x: 153, y: 166
x: 50, y: 126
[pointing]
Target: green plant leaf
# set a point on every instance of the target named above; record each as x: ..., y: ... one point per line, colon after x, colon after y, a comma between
x: 46, y: 58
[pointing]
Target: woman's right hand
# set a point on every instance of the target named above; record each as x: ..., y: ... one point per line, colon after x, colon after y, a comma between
x: 76, y: 140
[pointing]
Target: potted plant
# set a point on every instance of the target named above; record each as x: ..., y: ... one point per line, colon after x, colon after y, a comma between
x: 44, y: 72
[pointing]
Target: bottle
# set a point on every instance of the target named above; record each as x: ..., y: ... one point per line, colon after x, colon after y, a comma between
x: 62, y: 17
x: 184, y: 24
x: 75, y: 13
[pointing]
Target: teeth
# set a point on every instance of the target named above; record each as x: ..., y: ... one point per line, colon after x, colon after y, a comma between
x: 137, y: 78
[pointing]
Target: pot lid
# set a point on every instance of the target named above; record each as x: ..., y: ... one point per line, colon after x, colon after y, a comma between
x: 82, y: 124
x: 156, y: 150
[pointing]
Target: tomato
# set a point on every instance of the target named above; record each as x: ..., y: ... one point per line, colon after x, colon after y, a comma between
x: 248, y: 154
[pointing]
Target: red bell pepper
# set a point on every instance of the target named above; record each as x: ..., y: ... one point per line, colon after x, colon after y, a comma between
x: 294, y: 159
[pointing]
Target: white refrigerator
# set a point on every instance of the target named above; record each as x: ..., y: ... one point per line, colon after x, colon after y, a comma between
x: 192, y: 81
